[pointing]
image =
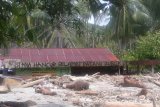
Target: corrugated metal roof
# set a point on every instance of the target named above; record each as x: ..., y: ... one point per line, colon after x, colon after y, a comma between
x: 61, y: 55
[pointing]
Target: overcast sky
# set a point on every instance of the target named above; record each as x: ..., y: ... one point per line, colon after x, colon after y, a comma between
x: 101, y: 21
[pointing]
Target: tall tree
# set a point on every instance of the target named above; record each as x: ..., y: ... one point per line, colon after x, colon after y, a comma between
x: 7, y: 31
x: 50, y: 23
x: 154, y: 6
x: 128, y: 18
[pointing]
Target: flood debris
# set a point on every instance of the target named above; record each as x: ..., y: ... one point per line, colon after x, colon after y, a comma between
x: 4, y: 89
x: 59, y: 81
x: 143, y: 92
x: 122, y: 104
x: 87, y: 91
x: 132, y: 82
x: 45, y: 91
x: 155, y: 82
x: 11, y: 82
x: 32, y: 83
x: 78, y: 85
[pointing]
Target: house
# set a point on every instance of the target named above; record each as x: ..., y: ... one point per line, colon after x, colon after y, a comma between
x: 80, y: 61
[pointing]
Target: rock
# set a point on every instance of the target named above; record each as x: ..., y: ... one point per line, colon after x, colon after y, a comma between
x: 31, y: 103
x: 4, y: 89
x: 78, y: 85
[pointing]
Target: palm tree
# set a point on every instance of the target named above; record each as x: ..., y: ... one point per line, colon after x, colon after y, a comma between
x: 48, y: 23
x: 64, y: 23
x: 128, y: 18
x: 5, y: 28
x: 154, y: 7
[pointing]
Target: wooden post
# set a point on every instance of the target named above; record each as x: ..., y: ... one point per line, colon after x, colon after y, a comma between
x: 152, y: 69
x: 127, y: 71
x: 138, y: 69
x: 119, y: 71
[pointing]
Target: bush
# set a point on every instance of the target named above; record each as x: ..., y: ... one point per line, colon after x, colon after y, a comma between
x: 147, y: 47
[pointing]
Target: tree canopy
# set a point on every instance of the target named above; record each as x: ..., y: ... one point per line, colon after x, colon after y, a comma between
x: 64, y: 23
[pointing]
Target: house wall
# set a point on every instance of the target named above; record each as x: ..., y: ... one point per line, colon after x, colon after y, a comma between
x: 91, y: 70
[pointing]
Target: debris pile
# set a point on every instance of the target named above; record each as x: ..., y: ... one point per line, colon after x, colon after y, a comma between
x: 84, y: 91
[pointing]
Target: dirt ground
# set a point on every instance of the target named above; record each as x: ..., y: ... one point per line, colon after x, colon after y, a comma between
x: 106, y: 88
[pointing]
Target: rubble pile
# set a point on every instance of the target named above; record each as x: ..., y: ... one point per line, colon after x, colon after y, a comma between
x: 84, y: 91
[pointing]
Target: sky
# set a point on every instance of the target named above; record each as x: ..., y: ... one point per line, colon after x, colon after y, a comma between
x: 102, y: 21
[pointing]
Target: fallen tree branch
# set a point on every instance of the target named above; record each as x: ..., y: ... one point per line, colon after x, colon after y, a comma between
x: 30, y: 84
x: 74, y: 78
x: 96, y: 74
x: 87, y: 92
x: 37, y: 78
x: 155, y: 82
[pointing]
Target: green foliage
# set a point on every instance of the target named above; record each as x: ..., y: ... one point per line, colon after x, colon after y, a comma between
x: 128, y: 56
x: 64, y: 23
x: 147, y: 47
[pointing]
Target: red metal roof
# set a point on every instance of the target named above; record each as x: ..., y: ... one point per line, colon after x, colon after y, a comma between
x: 61, y: 55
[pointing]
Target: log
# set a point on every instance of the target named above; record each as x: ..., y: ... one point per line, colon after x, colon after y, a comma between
x: 127, y: 104
x: 37, y: 78
x: 74, y: 78
x: 77, y: 85
x: 98, y: 73
x: 43, y: 74
x: 87, y: 92
x: 131, y: 82
x: 155, y: 82
x: 30, y: 84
